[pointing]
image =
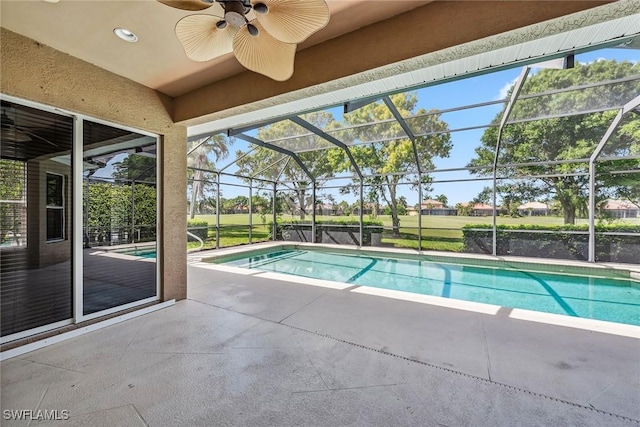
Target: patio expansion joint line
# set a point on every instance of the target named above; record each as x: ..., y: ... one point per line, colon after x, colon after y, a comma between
x: 133, y: 337
x: 430, y: 365
x: 39, y: 404
x: 314, y: 368
x: 139, y: 415
x: 601, y: 393
x: 184, y: 353
x: 97, y: 411
x: 486, y: 346
x: 304, y: 306
x: 329, y: 389
x: 54, y: 366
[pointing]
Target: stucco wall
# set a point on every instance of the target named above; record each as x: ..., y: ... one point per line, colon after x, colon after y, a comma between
x: 35, y: 72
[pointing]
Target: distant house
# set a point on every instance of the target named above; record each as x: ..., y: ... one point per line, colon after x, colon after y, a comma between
x: 435, y: 207
x: 326, y: 209
x: 240, y: 209
x: 479, y: 209
x: 620, y: 209
x: 368, y: 209
x: 534, y: 209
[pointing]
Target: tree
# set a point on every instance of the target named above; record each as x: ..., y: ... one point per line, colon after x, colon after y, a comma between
x: 345, y: 207
x: 464, y: 209
x: 394, y: 157
x: 202, y: 154
x: 571, y: 137
x: 111, y: 208
x: 624, y: 186
x: 265, y: 164
x: 136, y: 168
x: 236, y: 205
x: 260, y: 203
x: 12, y: 195
x: 402, y: 205
x: 484, y: 196
x: 442, y: 199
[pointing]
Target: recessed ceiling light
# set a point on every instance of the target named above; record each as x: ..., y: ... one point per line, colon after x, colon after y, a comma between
x: 126, y: 35
x: 52, y: 1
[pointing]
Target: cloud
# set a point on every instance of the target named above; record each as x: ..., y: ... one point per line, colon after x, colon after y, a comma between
x: 504, y: 90
x: 595, y: 60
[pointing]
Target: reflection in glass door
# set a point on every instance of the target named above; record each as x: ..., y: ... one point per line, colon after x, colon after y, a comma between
x: 36, y: 216
x: 119, y: 217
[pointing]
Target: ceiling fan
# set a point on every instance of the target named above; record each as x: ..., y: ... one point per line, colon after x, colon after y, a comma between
x: 10, y: 132
x: 262, y: 34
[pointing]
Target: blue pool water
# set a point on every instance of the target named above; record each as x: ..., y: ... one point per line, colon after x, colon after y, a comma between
x: 142, y: 253
x: 613, y: 300
x: 150, y: 254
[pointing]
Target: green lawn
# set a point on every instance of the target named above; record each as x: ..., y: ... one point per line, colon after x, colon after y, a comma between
x: 441, y: 233
x: 428, y: 221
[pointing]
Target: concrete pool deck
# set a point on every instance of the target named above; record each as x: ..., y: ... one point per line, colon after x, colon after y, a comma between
x: 250, y: 350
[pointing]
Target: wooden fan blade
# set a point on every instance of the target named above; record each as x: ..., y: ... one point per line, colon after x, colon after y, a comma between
x: 187, y: 4
x: 292, y: 21
x: 201, y: 39
x: 264, y: 53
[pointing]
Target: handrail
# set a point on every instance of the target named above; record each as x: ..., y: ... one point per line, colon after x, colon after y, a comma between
x: 198, y: 239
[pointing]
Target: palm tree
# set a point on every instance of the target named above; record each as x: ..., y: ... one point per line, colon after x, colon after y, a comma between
x: 202, y: 155
x: 442, y: 199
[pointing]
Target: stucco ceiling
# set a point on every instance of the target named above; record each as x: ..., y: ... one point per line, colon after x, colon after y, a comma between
x: 84, y: 29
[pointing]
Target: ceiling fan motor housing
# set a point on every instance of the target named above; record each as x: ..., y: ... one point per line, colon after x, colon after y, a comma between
x: 234, y: 12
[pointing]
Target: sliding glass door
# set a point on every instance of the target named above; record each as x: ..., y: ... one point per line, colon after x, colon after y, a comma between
x: 35, y: 207
x: 49, y: 275
x: 119, y: 217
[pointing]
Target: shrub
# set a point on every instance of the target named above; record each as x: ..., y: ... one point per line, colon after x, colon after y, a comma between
x: 302, y: 229
x: 561, y: 241
x: 198, y: 227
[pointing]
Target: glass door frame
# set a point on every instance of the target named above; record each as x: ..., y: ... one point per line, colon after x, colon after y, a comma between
x: 78, y: 315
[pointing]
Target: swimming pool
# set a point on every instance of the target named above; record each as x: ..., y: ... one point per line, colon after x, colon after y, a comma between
x: 609, y: 299
x: 140, y: 252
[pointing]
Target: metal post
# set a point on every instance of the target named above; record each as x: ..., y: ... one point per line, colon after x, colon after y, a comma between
x: 505, y: 116
x: 592, y: 211
x: 629, y: 106
x: 274, y: 227
x: 313, y: 211
x: 494, y: 243
x: 217, y: 211
x: 133, y: 213
x: 250, y: 211
x: 361, y: 213
x: 419, y: 213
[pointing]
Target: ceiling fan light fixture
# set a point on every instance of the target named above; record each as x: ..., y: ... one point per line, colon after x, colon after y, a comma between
x: 253, y: 30
x: 293, y: 21
x: 126, y: 35
x: 260, y: 8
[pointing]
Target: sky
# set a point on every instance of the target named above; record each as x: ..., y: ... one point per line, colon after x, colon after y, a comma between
x: 472, y: 90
